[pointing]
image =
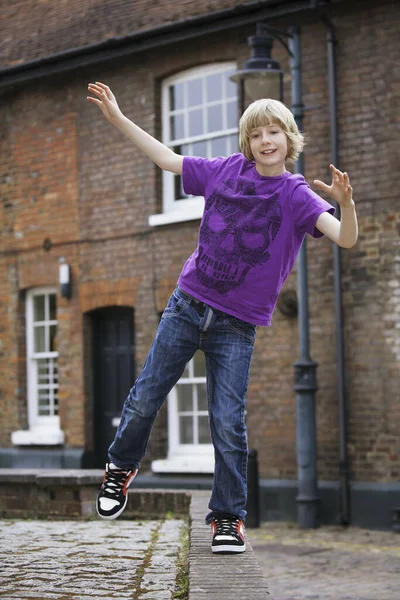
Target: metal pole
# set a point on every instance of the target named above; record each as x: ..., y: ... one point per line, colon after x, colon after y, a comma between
x: 305, y: 368
x: 344, y: 497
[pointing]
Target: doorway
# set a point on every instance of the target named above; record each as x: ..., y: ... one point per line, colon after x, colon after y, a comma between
x: 113, y: 373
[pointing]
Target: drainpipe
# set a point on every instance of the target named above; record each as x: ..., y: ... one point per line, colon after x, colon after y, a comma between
x: 343, y: 516
x: 305, y: 368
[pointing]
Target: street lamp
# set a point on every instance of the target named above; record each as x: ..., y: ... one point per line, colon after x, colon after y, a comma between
x: 262, y: 77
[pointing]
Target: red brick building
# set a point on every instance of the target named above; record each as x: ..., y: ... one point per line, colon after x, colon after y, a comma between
x: 77, y: 195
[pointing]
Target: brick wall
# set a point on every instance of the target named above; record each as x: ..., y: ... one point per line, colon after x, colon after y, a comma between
x: 73, y: 178
x: 69, y: 494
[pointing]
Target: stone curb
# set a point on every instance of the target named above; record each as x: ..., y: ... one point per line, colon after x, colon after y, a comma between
x: 220, y: 576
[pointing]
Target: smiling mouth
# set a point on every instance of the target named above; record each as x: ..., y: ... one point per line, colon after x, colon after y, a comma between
x: 268, y: 152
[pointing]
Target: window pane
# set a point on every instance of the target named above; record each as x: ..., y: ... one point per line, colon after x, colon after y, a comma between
x: 219, y: 147
x: 38, y: 308
x: 39, y: 339
x: 233, y: 143
x: 185, y: 397
x: 53, y: 307
x: 47, y: 371
x: 53, y: 338
x: 43, y: 372
x: 186, y: 430
x: 182, y: 149
x: 199, y: 363
x: 202, y: 402
x: 230, y: 86
x: 176, y: 96
x: 214, y: 116
x: 232, y: 115
x: 179, y: 192
x: 177, y: 127
x: 47, y: 389
x: 199, y: 149
x: 195, y: 122
x: 195, y: 92
x: 44, y: 403
x: 214, y: 87
x: 204, y: 430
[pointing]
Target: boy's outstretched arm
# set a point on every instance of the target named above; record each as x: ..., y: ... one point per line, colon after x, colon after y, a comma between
x: 343, y: 232
x: 163, y: 156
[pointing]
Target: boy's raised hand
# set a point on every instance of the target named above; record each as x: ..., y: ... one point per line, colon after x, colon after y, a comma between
x: 105, y: 100
x: 340, y: 188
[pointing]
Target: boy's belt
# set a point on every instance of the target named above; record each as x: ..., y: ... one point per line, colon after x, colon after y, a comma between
x: 191, y: 299
x: 198, y: 303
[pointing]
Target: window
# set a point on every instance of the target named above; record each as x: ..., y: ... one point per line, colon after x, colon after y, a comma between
x: 200, y: 118
x: 42, y: 370
x: 190, y: 447
x: 192, y: 404
x: 43, y: 354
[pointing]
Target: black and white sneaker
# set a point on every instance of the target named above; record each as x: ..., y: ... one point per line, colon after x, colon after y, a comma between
x: 113, y: 494
x: 228, y: 534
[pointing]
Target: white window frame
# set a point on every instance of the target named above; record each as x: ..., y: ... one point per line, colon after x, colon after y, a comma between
x: 192, y: 207
x: 43, y: 430
x: 185, y: 458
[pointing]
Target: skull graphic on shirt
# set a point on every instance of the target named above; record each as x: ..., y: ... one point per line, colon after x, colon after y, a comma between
x: 235, y: 236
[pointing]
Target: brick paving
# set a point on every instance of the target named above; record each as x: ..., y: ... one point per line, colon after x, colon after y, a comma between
x: 328, y: 563
x: 73, y: 560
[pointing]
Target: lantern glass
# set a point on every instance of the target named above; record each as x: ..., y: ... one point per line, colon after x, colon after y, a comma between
x: 262, y: 84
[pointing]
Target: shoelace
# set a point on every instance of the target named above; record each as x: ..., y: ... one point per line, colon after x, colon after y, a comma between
x: 225, y: 526
x: 114, y: 482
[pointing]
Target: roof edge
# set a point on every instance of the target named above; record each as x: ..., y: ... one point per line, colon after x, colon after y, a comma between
x: 82, y: 56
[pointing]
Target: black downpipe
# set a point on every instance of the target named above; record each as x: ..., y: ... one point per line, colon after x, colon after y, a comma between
x: 343, y: 516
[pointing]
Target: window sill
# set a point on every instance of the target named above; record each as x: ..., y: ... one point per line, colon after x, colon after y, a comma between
x: 38, y: 437
x: 189, y: 210
x: 184, y: 464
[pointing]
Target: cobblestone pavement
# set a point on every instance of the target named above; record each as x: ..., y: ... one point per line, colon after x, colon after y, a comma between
x: 74, y: 560
x: 329, y: 563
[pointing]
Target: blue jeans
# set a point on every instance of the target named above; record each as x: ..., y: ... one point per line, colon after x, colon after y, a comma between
x: 227, y: 342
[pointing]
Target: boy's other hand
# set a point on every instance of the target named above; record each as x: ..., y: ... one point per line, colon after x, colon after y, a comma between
x: 340, y: 188
x: 105, y: 100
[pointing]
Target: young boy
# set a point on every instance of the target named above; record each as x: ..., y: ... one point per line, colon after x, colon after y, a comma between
x: 255, y: 219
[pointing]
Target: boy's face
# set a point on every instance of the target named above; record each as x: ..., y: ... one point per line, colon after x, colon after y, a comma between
x: 269, y: 146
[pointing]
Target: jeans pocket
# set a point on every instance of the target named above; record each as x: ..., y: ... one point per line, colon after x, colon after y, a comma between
x: 247, y: 330
x: 175, y: 307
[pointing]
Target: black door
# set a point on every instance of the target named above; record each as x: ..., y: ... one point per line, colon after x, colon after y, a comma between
x: 113, y: 373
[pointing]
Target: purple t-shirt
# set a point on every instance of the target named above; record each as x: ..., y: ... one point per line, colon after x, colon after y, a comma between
x: 250, y: 234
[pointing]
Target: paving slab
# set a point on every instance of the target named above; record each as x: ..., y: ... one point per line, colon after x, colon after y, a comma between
x: 328, y: 563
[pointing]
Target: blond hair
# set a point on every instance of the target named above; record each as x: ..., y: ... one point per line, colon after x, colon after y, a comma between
x: 270, y: 112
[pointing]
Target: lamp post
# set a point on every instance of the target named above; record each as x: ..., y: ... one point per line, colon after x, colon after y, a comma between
x: 262, y: 77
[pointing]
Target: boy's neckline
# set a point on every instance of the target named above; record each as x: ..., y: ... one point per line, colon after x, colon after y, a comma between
x: 273, y: 177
